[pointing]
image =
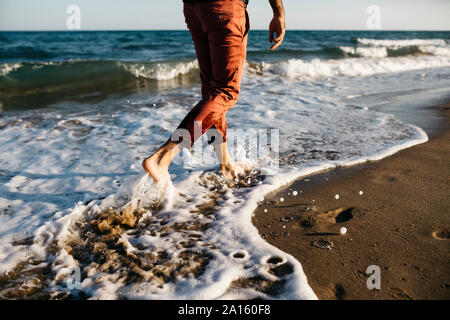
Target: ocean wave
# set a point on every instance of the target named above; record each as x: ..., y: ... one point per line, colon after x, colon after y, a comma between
x: 51, y: 81
x: 383, y: 52
x: 374, y: 48
x: 365, y: 52
x: 436, y: 51
x: 394, y: 51
x: 149, y: 70
x: 159, y: 71
x: 365, y: 49
x: 401, y: 43
x: 354, y: 67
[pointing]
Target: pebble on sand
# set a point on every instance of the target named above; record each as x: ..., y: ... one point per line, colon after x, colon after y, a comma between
x: 336, y: 196
x: 343, y: 230
x: 361, y: 193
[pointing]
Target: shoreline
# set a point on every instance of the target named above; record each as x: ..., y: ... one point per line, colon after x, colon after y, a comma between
x: 399, y: 223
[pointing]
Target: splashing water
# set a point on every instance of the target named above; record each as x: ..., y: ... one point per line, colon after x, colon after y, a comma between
x: 131, y: 245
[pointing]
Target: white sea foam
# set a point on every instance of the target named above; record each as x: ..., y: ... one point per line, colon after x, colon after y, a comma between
x: 6, y: 68
x: 379, y: 48
x: 365, y: 52
x: 354, y: 67
x: 435, y: 50
x: 61, y: 169
x: 401, y: 43
x: 159, y: 71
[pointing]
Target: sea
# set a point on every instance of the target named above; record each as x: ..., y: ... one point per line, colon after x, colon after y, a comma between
x: 79, y: 111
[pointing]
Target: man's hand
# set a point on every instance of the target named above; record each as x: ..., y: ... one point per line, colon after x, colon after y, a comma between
x: 277, y: 27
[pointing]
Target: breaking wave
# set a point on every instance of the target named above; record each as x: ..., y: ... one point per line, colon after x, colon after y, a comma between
x: 295, y: 68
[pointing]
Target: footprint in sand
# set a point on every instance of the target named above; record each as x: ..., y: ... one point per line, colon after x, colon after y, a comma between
x: 443, y: 234
x: 325, y: 223
x: 330, y: 217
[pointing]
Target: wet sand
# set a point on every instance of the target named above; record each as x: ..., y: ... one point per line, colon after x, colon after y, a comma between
x: 400, y: 223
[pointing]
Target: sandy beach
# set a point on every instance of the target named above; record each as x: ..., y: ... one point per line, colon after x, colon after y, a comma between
x: 396, y: 214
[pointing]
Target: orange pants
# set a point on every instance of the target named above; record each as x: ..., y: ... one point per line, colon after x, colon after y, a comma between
x: 219, y: 31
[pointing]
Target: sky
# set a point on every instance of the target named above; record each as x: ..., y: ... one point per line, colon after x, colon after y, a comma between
x: 168, y: 14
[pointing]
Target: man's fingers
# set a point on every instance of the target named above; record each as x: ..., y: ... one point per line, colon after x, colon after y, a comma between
x: 275, y: 45
x: 278, y: 41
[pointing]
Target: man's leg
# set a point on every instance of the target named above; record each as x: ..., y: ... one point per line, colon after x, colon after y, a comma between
x: 226, y: 30
x: 226, y: 25
x: 157, y: 164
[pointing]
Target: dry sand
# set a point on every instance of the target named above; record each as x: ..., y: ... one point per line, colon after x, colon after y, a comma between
x: 400, y: 223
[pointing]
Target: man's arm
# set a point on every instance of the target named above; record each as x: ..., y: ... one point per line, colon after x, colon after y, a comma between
x: 277, y: 25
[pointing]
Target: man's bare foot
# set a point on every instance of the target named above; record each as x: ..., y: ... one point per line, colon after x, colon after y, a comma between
x: 233, y: 169
x: 153, y: 166
x: 157, y: 165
